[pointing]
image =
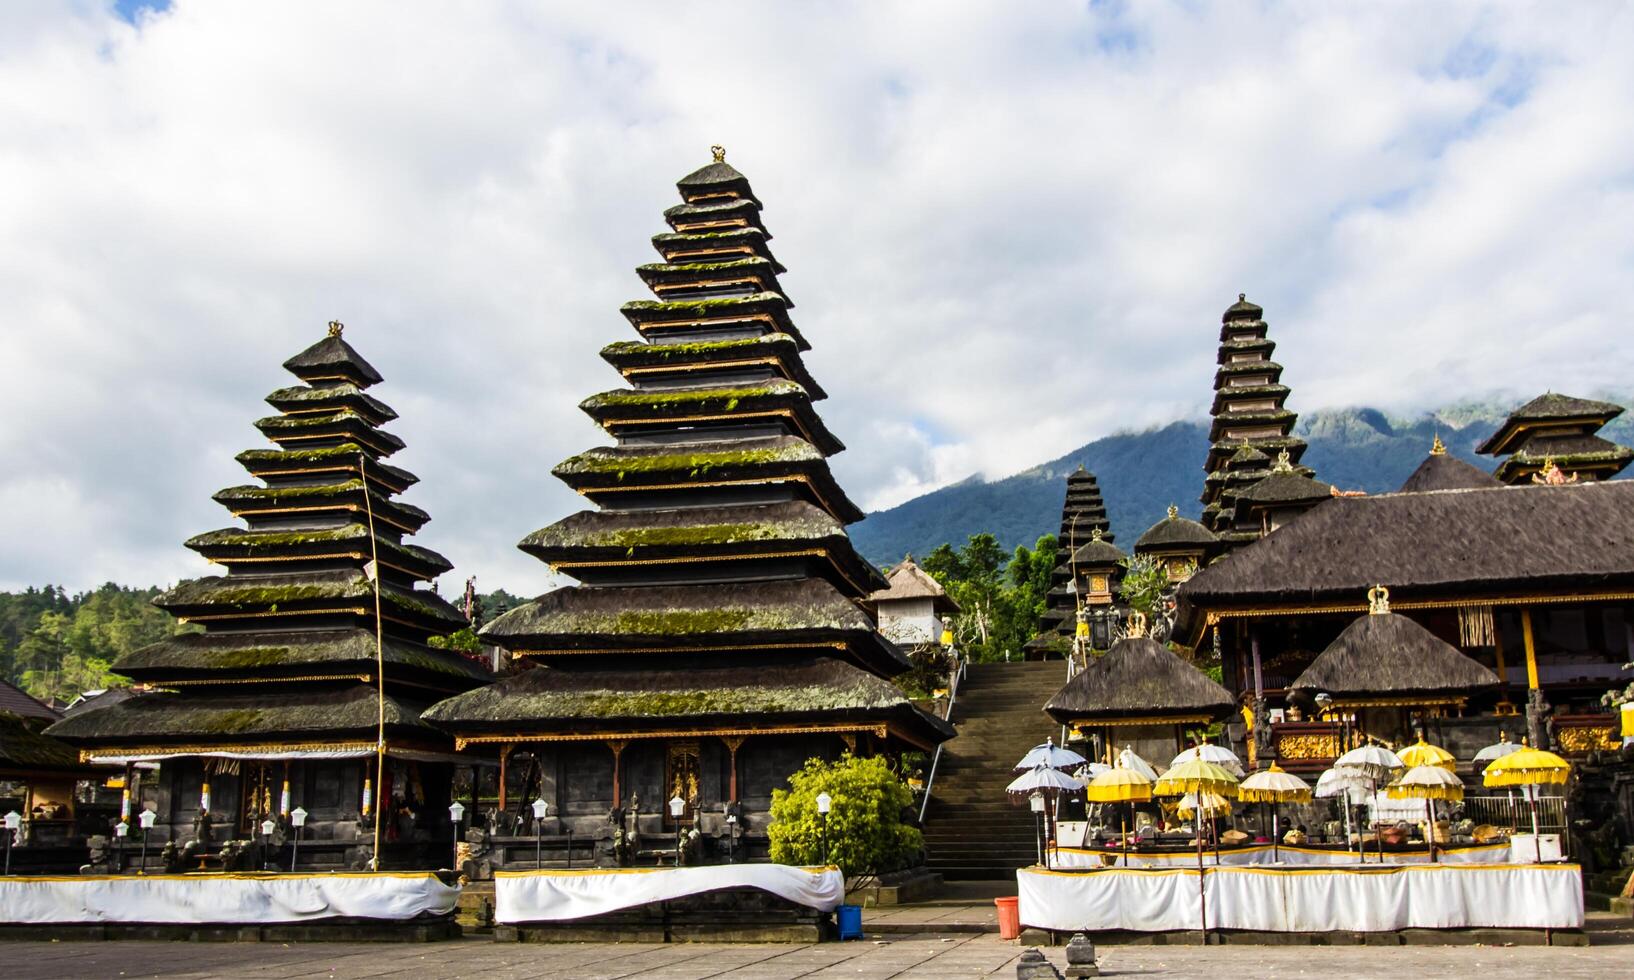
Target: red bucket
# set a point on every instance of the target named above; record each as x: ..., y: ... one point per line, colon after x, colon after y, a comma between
x: 1009, y: 917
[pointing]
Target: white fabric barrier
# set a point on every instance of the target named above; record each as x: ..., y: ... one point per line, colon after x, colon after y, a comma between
x: 223, y: 898
x: 1264, y: 854
x: 1306, y: 900
x: 550, y: 896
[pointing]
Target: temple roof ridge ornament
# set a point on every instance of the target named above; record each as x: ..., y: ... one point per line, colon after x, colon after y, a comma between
x: 1438, y: 448
x: 1378, y: 600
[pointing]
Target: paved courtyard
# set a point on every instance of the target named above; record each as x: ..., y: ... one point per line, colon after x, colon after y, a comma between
x: 906, y: 956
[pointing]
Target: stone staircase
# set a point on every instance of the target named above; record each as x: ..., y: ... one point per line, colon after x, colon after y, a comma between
x: 972, y: 831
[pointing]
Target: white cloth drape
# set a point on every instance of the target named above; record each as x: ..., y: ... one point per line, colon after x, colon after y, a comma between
x: 550, y: 896
x: 1075, y: 857
x: 226, y: 898
x: 1306, y: 900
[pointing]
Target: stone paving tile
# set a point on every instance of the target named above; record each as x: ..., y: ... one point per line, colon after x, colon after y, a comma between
x: 896, y: 958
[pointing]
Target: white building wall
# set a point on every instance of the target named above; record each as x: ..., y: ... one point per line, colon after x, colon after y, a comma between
x: 909, y: 621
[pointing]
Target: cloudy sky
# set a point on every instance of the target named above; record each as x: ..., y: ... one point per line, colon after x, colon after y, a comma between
x: 1010, y: 228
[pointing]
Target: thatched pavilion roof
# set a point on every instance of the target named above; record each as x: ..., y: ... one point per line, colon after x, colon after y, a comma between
x: 1139, y: 678
x: 1450, y: 543
x: 1385, y: 655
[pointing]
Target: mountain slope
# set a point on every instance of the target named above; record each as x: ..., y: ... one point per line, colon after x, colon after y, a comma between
x: 1142, y: 473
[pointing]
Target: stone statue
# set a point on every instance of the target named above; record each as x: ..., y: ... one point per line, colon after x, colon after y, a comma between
x: 476, y: 858
x: 1538, y: 717
x: 101, y: 856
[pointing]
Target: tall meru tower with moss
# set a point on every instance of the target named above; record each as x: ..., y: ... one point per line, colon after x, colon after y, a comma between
x: 1084, y: 525
x: 1252, y: 427
x: 716, y: 640
x: 274, y: 704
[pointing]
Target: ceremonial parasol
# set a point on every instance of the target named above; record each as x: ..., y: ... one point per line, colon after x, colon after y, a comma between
x: 1090, y: 770
x: 1047, y: 784
x: 1422, y: 753
x: 1497, y: 750
x: 1214, y: 805
x: 1351, y: 784
x: 1375, y: 763
x: 1119, y: 785
x: 1427, y: 782
x: 1532, y: 768
x: 1129, y: 760
x: 1196, y: 777
x: 1049, y: 754
x: 1274, y: 786
x: 1217, y: 754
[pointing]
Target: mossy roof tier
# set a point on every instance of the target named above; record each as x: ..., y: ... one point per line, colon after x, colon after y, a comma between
x: 1550, y: 408
x: 193, y: 656
x: 714, y: 245
x: 1242, y: 310
x: 1389, y: 655
x: 727, y: 532
x: 1523, y: 540
x: 325, y: 460
x: 332, y: 358
x: 343, y: 424
x: 1222, y: 450
x: 677, y: 618
x: 1138, y: 678
x: 778, y: 351
x: 1175, y: 532
x: 1231, y: 369
x: 623, y: 410
x: 1442, y: 471
x: 818, y: 690
x: 288, y: 594
x: 710, y: 215
x: 332, y: 396
x: 769, y: 459
x: 24, y: 749
x: 1230, y: 348
x: 352, y: 539
x: 344, y: 498
x: 1284, y: 488
x: 718, y: 176
x: 768, y: 312
x: 1225, y: 396
x: 760, y: 271
x: 1225, y: 421
x: 162, y: 718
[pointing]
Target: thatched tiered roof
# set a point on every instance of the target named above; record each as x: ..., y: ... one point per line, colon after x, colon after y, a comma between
x: 1443, y: 471
x: 717, y: 560
x: 1561, y: 431
x: 296, y: 611
x: 909, y: 581
x: 1139, y: 681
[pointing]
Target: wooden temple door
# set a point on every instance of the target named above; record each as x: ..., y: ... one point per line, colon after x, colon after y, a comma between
x: 681, y: 775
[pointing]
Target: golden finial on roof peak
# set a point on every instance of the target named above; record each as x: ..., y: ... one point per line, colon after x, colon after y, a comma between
x: 1438, y: 448
x: 1136, y: 625
x: 335, y: 327
x: 719, y: 152
x: 1174, y: 512
x: 1284, y: 463
x: 1378, y: 600
x: 1095, y: 535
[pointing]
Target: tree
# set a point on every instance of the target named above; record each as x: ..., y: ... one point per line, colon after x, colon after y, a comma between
x: 864, y: 831
x: 1000, y: 598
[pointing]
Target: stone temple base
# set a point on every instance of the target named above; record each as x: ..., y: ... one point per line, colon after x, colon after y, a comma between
x: 422, y: 930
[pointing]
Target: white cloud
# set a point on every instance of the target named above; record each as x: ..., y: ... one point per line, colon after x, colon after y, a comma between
x: 1009, y: 229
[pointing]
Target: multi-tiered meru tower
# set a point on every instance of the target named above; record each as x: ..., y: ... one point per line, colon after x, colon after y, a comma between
x: 275, y: 705
x: 716, y: 641
x: 1083, y: 521
x: 1251, y: 427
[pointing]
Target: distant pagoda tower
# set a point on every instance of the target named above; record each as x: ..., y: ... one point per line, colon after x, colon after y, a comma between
x: 1083, y: 514
x: 274, y: 705
x: 1251, y: 427
x: 717, y: 639
x: 1561, y: 430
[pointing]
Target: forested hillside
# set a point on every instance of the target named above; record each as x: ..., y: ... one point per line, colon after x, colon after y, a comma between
x: 1141, y: 473
x: 55, y: 645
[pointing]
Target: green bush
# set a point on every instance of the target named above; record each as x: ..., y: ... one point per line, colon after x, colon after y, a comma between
x: 866, y: 834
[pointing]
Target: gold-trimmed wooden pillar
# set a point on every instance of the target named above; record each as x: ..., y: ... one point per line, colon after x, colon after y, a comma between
x: 733, y: 743
x: 617, y: 745
x: 1531, y: 650
x: 505, y: 751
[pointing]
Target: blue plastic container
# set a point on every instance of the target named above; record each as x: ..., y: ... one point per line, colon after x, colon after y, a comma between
x: 849, y: 918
